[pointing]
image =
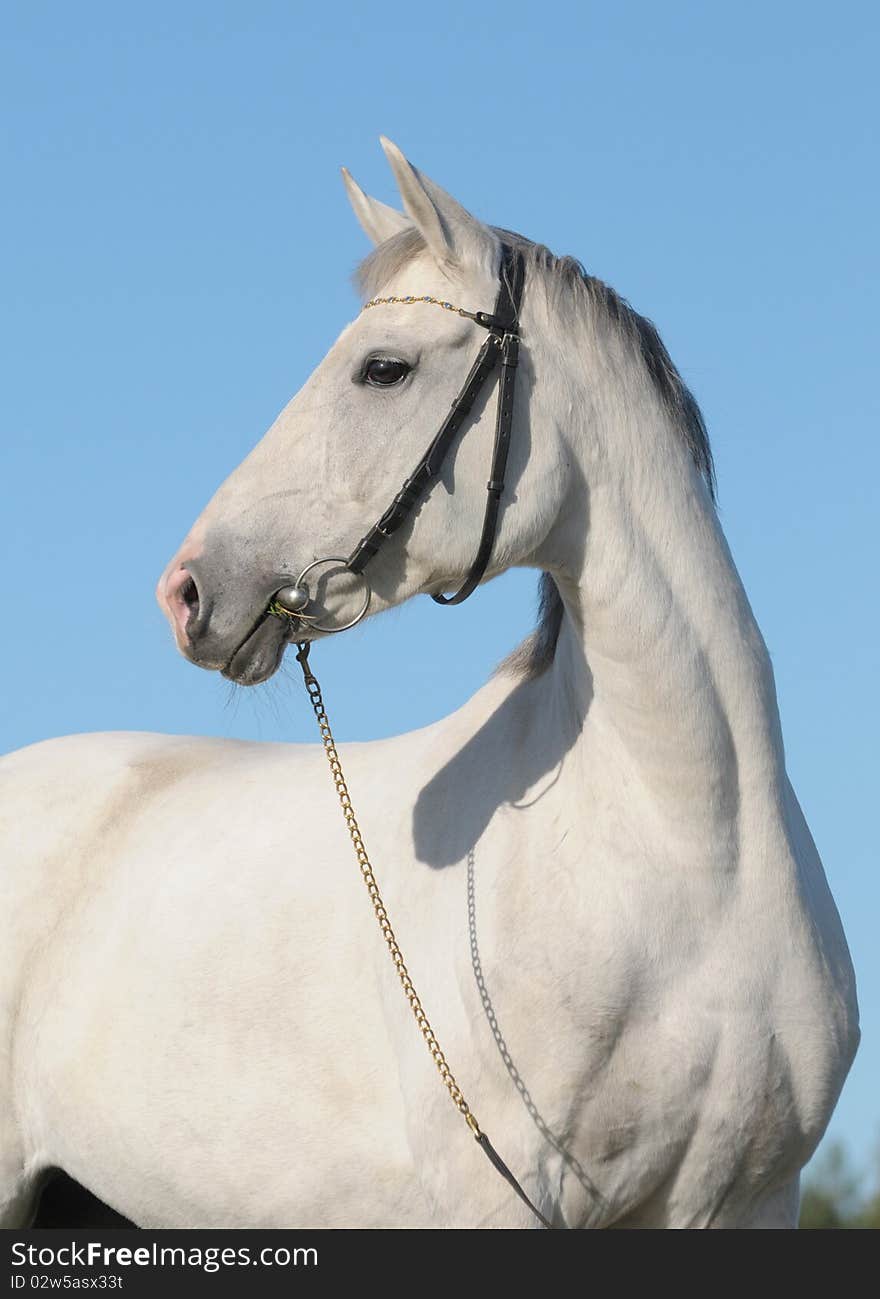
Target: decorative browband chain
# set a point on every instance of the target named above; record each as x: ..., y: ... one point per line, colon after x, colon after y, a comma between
x: 503, y: 343
x: 481, y: 317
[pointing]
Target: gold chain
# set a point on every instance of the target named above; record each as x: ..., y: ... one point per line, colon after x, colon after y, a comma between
x: 314, y: 691
x: 424, y: 297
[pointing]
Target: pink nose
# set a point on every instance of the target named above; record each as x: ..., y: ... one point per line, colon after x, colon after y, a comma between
x: 180, y: 596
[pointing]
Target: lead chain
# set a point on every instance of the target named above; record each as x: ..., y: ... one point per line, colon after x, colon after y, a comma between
x: 314, y: 691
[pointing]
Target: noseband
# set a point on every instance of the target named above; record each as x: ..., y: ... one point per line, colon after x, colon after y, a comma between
x: 502, y: 344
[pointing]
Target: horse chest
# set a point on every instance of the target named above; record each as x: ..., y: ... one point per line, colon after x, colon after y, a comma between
x: 590, y: 993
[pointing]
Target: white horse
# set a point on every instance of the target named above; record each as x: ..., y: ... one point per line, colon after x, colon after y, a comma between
x: 598, y: 871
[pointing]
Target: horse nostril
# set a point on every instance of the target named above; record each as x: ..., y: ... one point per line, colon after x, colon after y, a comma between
x: 189, y: 594
x: 183, y: 603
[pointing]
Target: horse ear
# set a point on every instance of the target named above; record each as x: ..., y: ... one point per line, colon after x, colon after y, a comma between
x: 454, y: 236
x: 379, y: 221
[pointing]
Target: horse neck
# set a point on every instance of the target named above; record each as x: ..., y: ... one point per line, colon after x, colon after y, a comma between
x: 659, y: 652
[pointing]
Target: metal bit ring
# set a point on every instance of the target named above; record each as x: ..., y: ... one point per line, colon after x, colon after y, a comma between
x: 309, y: 619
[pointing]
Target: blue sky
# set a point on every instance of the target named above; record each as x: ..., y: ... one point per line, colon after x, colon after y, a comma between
x: 177, y: 252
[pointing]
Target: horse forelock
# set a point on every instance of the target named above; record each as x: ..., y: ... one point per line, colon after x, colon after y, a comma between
x: 578, y: 293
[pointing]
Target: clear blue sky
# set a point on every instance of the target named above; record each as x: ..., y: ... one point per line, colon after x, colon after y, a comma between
x: 177, y: 249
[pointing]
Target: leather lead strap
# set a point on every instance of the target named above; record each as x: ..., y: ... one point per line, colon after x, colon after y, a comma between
x: 499, y: 1165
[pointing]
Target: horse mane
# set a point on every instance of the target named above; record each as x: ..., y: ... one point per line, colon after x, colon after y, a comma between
x: 566, y: 280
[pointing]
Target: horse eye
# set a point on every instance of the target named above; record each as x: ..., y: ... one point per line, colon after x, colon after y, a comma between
x: 382, y: 372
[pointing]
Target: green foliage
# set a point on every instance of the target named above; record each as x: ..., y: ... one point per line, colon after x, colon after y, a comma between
x: 835, y: 1197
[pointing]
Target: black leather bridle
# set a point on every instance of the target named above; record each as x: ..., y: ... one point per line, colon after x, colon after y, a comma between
x: 502, y: 344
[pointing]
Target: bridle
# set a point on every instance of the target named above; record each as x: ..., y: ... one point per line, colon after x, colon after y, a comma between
x: 291, y: 602
x: 502, y: 343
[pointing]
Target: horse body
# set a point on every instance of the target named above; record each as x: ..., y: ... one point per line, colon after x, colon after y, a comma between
x: 229, y: 981
x: 601, y: 879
